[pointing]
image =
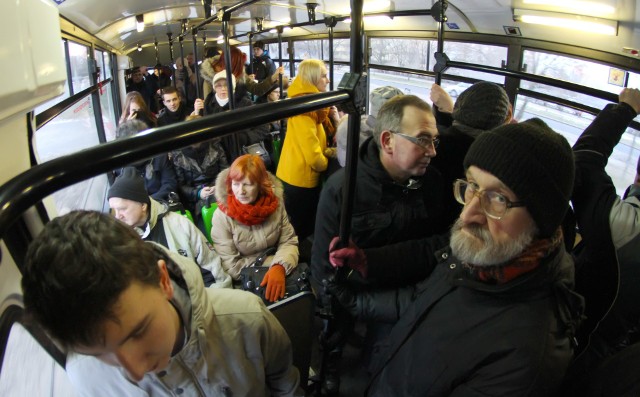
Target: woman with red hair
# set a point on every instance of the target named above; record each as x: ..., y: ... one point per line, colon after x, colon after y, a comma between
x: 250, y: 219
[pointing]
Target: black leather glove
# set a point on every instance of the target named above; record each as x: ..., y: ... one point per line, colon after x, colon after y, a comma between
x: 345, y: 296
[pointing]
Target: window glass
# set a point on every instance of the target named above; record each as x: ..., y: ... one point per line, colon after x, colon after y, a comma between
x: 309, y: 49
x: 480, y: 54
x: 27, y: 369
x: 406, y: 82
x: 403, y: 53
x: 575, y: 70
x: 274, y: 52
x: 108, y: 111
x: 71, y: 131
x: 107, y: 65
x: 99, y: 63
x: 341, y: 50
x: 622, y: 163
x: 78, y: 58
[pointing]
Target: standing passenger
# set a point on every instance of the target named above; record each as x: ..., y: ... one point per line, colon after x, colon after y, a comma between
x: 608, y: 262
x: 377, y: 98
x: 218, y: 101
x: 481, y: 107
x: 305, y: 154
x: 497, y: 314
x: 263, y: 66
x: 250, y: 219
x: 137, y: 320
x: 398, y: 197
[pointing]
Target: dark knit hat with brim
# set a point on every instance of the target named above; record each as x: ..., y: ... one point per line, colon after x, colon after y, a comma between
x: 533, y: 161
x: 130, y: 186
x: 483, y: 106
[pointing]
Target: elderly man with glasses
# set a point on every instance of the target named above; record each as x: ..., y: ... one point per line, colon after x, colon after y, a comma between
x: 497, y: 313
x: 398, y: 197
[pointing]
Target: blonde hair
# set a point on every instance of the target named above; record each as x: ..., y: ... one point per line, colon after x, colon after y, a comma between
x: 310, y: 70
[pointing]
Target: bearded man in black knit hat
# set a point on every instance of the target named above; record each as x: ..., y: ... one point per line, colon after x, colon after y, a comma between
x: 497, y: 314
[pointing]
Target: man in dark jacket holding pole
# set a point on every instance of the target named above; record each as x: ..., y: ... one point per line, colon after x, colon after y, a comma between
x: 497, y: 313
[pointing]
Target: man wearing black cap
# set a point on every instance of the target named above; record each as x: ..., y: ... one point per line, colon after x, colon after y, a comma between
x: 481, y: 107
x: 607, y: 260
x: 263, y: 66
x: 153, y: 221
x: 497, y: 314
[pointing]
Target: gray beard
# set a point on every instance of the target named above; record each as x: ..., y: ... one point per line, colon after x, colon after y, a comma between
x: 483, y: 250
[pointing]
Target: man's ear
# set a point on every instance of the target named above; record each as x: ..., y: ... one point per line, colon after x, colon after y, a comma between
x: 165, y: 280
x: 386, y: 143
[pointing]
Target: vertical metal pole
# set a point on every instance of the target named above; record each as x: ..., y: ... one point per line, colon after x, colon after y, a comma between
x: 331, y: 57
x: 173, y: 71
x: 440, y: 20
x: 155, y: 45
x: 357, y: 57
x: 194, y: 36
x: 226, y: 16
x: 250, y: 53
x: 185, y: 73
x: 280, y: 82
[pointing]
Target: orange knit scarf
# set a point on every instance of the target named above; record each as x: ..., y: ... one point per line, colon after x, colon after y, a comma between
x: 250, y: 214
x: 528, y: 260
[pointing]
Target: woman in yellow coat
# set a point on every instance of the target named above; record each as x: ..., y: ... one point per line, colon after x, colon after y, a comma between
x: 305, y: 154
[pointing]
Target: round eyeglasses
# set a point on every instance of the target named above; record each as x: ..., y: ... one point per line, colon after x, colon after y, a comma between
x: 494, y: 204
x: 421, y: 141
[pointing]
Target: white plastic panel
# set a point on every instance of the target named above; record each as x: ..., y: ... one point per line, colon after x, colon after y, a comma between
x: 33, y: 55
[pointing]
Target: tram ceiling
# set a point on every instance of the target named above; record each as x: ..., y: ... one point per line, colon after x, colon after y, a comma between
x: 114, y: 21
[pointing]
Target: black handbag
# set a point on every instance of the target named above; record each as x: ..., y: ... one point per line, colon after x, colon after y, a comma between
x: 295, y: 282
x: 260, y: 150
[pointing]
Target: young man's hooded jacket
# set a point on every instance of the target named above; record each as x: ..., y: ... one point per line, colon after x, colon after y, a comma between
x: 234, y: 347
x: 181, y: 235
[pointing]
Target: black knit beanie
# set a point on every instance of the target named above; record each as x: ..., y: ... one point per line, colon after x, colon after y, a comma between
x: 533, y: 161
x: 130, y: 186
x: 484, y: 106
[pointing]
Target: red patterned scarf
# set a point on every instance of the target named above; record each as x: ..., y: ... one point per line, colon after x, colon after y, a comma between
x: 528, y: 260
x: 250, y: 214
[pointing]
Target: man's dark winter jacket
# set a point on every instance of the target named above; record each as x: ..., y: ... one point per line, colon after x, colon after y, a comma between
x: 384, y: 212
x: 457, y: 336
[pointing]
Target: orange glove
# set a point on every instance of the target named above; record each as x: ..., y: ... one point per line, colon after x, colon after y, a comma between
x: 274, y: 280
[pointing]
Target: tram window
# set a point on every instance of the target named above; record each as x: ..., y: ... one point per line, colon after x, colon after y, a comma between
x: 405, y: 53
x: 106, y: 61
x: 622, y: 162
x: 73, y: 130
x: 308, y: 49
x: 108, y: 111
x: 406, y: 82
x: 476, y: 53
x: 575, y: 70
x: 78, y: 59
x: 341, y: 50
x: 28, y: 370
x: 274, y: 52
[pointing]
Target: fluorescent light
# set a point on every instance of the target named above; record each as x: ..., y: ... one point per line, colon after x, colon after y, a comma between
x: 140, y: 22
x: 594, y: 8
x: 568, y: 21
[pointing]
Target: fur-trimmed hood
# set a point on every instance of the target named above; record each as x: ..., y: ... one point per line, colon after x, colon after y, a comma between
x: 206, y: 68
x: 221, y: 187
